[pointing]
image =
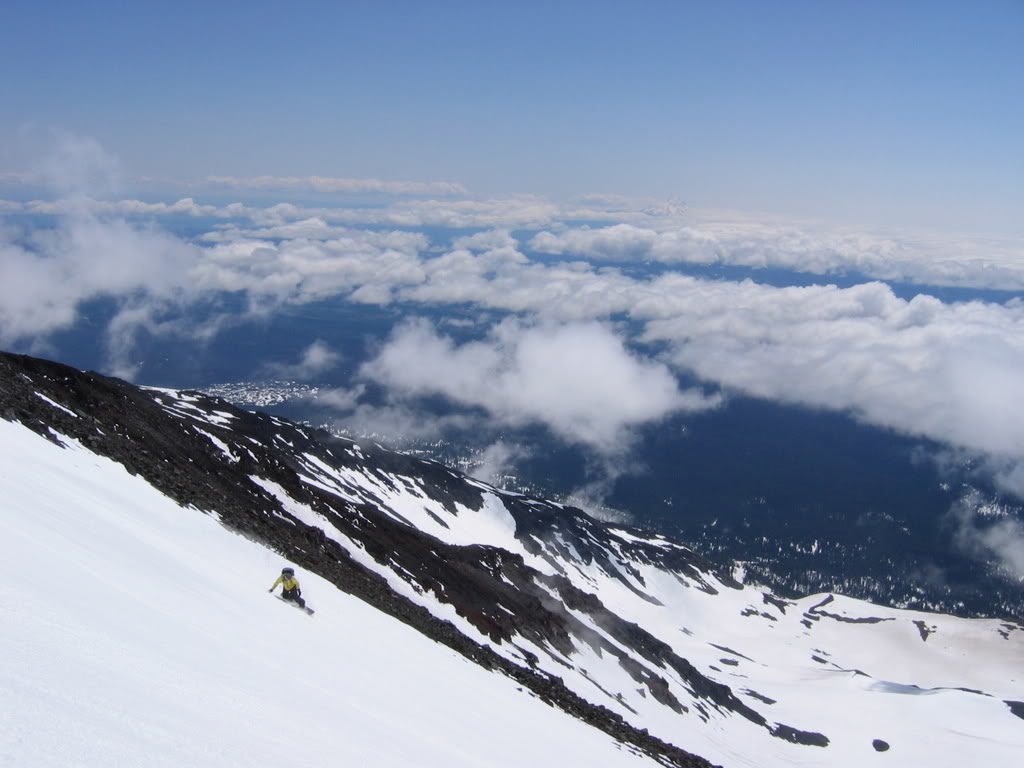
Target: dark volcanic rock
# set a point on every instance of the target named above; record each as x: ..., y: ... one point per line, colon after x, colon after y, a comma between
x: 923, y: 629
x: 815, y: 611
x: 807, y: 738
x: 151, y: 436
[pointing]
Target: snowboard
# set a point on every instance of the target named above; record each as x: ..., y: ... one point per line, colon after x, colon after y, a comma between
x: 309, y: 611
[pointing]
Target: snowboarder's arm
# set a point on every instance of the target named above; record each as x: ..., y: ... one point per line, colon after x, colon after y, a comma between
x: 274, y: 585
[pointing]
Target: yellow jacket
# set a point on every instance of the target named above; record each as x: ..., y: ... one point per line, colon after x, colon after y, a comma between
x: 288, y: 582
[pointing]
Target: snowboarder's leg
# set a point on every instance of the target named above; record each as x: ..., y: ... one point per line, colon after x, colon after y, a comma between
x: 293, y: 595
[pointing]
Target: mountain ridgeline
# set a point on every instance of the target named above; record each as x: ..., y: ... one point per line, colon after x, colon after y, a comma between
x: 629, y: 631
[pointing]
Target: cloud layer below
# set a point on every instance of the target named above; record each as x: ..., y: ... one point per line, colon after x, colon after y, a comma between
x: 624, y: 233
x: 578, y: 379
x: 951, y: 372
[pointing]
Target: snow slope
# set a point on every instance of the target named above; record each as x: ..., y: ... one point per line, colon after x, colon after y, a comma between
x: 139, y: 633
x: 126, y: 585
x: 923, y: 689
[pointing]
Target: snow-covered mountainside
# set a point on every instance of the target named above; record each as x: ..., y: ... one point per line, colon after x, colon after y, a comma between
x: 119, y: 581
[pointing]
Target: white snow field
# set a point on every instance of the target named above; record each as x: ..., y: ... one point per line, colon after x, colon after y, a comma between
x: 859, y: 673
x: 138, y: 633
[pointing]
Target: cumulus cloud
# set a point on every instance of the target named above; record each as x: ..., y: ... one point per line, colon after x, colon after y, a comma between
x: 496, y: 461
x: 491, y: 240
x: 316, y: 359
x: 401, y: 424
x: 48, y: 273
x: 948, y: 371
x: 94, y: 251
x: 341, y: 398
x: 924, y: 260
x: 951, y: 372
x: 362, y: 265
x: 620, y: 242
x: 507, y: 214
x: 126, y: 208
x: 988, y: 531
x: 579, y: 379
x: 652, y: 234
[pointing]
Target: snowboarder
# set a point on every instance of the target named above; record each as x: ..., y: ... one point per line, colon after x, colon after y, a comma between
x: 289, y: 587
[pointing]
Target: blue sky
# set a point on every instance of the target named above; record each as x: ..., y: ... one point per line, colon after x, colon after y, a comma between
x: 874, y: 113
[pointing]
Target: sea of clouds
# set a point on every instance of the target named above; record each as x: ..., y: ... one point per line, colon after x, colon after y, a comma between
x: 584, y: 344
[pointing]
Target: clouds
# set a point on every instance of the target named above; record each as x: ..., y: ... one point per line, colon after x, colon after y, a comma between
x: 125, y: 208
x: 363, y: 265
x: 495, y: 461
x: 807, y: 248
x: 988, y: 532
x: 516, y: 212
x: 622, y: 242
x: 48, y: 273
x: 949, y: 372
x: 316, y: 359
x: 578, y: 379
x: 944, y: 371
x: 79, y: 166
x: 640, y: 232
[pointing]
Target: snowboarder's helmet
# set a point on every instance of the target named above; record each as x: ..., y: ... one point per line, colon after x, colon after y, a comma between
x: 287, y: 571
